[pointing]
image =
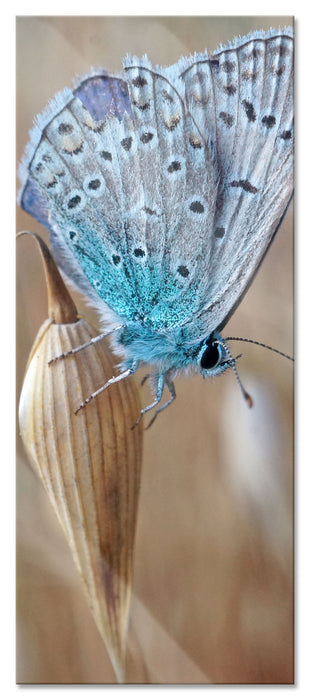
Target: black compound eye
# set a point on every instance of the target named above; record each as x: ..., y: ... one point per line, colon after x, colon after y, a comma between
x: 211, y: 356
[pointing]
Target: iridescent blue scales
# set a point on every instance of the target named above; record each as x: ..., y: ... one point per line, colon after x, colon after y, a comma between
x: 163, y: 189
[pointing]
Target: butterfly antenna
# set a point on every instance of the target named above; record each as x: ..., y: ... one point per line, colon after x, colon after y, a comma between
x: 232, y: 359
x: 262, y: 345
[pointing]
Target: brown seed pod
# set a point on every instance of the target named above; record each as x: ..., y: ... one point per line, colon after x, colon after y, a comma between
x: 90, y: 463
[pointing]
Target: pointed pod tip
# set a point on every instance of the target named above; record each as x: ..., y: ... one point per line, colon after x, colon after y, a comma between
x: 61, y: 308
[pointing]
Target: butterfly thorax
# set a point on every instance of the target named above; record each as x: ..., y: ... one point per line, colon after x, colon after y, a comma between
x: 166, y: 351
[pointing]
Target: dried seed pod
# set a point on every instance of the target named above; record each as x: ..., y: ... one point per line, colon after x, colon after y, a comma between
x: 90, y: 463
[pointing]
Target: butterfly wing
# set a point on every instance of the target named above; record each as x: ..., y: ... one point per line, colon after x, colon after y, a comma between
x: 164, y: 191
x: 242, y: 97
x: 125, y: 194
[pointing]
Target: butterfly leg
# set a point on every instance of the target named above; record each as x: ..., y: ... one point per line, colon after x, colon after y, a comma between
x: 160, y: 389
x: 85, y: 345
x: 111, y: 381
x: 171, y: 388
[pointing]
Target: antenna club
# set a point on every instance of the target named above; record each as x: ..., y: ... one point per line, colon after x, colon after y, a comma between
x: 246, y: 396
x: 248, y: 399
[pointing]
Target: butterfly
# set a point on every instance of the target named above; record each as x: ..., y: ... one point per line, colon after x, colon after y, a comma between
x: 162, y: 189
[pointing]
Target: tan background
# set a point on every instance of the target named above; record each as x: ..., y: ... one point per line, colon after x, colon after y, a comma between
x: 213, y: 562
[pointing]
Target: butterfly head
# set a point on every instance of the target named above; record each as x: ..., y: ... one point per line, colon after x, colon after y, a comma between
x: 214, y: 356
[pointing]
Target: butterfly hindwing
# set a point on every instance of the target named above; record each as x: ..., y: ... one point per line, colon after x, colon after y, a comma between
x: 126, y: 194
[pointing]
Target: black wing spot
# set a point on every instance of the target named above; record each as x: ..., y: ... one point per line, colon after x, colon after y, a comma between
x: 219, y: 232
x: 183, y: 271
x: 245, y: 184
x: 127, y: 143
x: 139, y: 81
x: 94, y: 184
x: 228, y: 67
x: 230, y: 89
x: 228, y: 119
x: 286, y: 135
x: 52, y: 183
x: 72, y: 235
x: 249, y: 110
x: 139, y: 253
x: 116, y: 259
x: 142, y: 106
x: 146, y: 137
x: 269, y: 121
x: 197, y: 207
x: 148, y: 210
x: 174, y: 166
x: 74, y: 201
x: 106, y: 155
x: 65, y: 128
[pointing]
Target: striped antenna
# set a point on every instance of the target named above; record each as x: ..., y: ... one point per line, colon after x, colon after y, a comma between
x: 262, y: 345
x: 232, y: 360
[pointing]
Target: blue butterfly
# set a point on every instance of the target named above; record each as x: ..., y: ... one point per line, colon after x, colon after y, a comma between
x: 163, y: 189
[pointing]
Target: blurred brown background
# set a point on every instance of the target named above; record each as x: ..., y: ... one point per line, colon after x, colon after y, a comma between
x: 214, y: 549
